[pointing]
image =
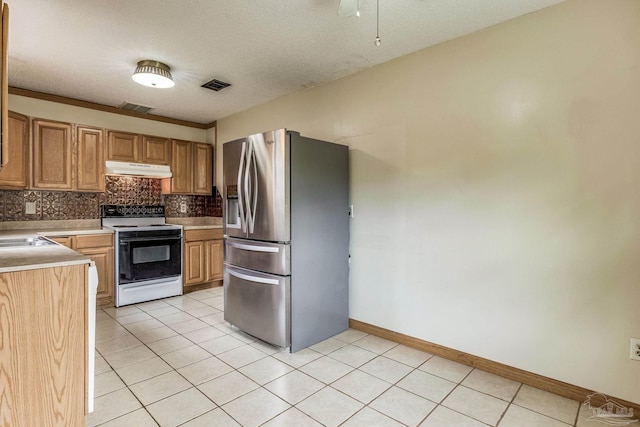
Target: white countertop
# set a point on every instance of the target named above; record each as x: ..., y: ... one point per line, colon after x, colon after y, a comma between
x: 33, y: 257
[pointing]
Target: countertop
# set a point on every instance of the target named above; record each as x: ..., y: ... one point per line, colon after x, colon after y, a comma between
x: 33, y: 257
x: 197, y: 223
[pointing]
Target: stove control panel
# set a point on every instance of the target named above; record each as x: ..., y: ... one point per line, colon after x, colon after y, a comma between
x: 132, y: 211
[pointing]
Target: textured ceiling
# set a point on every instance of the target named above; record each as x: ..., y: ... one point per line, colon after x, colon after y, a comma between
x: 88, y: 49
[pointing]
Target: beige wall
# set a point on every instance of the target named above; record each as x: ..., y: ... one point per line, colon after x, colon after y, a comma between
x: 69, y: 113
x: 496, y: 184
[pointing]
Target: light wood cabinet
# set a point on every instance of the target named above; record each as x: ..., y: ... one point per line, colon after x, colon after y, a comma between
x: 90, y: 159
x: 4, y: 87
x: 99, y: 247
x: 67, y: 157
x: 181, y: 167
x: 195, y: 263
x: 134, y: 148
x: 43, y: 356
x: 52, y: 151
x: 192, y: 168
x: 123, y: 147
x: 202, y: 168
x: 215, y: 258
x: 14, y: 173
x: 156, y: 150
x: 203, y: 258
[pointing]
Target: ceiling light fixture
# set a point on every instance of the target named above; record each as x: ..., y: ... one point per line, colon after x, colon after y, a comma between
x: 153, y: 74
x: 377, y: 41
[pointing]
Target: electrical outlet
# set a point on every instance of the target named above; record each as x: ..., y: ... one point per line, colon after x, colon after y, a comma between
x: 30, y: 208
x: 635, y: 349
x: 183, y: 207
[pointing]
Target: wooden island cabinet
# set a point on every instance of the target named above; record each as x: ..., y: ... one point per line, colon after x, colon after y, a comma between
x: 43, y: 351
x: 203, y: 258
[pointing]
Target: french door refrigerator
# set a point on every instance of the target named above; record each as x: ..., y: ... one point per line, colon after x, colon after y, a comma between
x: 286, y: 226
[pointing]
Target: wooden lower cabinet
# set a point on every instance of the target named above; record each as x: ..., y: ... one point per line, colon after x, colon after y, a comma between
x: 215, y: 258
x: 99, y: 247
x: 203, y: 258
x: 43, y: 353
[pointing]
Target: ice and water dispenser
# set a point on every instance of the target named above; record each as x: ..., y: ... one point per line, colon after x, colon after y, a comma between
x: 232, y: 214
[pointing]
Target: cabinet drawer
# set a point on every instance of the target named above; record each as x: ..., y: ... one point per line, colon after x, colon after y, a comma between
x: 258, y: 303
x: 203, y: 234
x: 94, y: 241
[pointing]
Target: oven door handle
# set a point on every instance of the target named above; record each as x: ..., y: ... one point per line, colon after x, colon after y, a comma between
x: 148, y: 239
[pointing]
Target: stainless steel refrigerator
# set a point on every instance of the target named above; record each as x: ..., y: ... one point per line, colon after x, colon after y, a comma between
x: 286, y: 226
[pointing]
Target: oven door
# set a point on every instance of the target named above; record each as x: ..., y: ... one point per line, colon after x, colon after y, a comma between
x: 148, y: 255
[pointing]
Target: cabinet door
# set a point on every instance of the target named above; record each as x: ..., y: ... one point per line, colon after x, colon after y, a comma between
x: 52, y: 155
x: 44, y: 351
x: 202, y: 168
x: 103, y: 258
x: 90, y: 163
x: 4, y: 87
x: 214, y: 260
x: 123, y: 147
x: 181, y: 167
x: 194, y: 263
x: 14, y: 173
x: 156, y: 150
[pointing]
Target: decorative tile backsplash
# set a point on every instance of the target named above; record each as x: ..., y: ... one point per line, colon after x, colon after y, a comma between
x: 119, y: 190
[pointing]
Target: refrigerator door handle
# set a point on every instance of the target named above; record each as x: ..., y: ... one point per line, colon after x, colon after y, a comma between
x: 255, y: 279
x: 243, y: 219
x: 254, y: 189
x: 251, y: 178
x: 253, y: 248
x: 247, y: 188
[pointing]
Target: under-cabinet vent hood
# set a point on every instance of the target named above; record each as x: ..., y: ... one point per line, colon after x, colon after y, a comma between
x: 138, y: 169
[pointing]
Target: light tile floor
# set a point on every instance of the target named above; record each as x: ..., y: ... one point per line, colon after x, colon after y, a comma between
x: 176, y: 362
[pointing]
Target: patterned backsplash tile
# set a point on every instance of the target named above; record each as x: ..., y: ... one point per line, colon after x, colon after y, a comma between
x: 119, y: 190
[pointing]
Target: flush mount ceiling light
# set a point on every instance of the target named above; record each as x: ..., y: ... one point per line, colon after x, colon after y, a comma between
x: 153, y: 74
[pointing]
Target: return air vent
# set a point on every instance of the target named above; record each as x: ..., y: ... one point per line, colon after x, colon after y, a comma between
x: 216, y: 85
x: 134, y: 107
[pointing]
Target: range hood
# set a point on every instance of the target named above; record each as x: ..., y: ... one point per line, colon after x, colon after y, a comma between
x: 137, y: 169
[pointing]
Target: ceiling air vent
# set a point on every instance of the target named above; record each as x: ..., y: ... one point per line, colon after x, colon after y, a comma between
x: 216, y: 85
x: 134, y: 107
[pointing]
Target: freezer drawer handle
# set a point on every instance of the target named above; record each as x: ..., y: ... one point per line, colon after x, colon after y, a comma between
x: 253, y: 248
x: 253, y: 278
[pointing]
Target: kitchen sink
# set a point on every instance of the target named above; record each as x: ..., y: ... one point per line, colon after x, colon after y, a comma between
x: 20, y: 242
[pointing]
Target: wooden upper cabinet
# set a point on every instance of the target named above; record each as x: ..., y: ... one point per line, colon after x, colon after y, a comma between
x: 14, y: 174
x: 52, y: 155
x: 192, y: 168
x: 5, y: 156
x: 124, y: 147
x: 90, y: 161
x: 202, y: 168
x: 156, y: 150
x: 181, y: 167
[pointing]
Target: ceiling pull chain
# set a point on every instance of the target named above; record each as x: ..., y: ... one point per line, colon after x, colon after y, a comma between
x: 377, y: 41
